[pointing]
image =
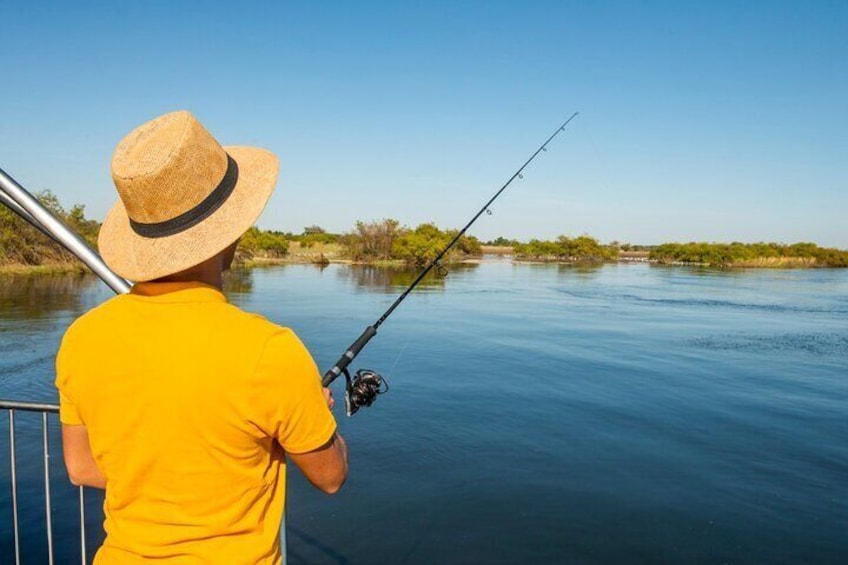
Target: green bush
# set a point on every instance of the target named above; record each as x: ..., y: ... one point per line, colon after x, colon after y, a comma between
x: 22, y: 244
x: 421, y: 245
x: 259, y: 243
x: 502, y: 242
x: 386, y: 240
x: 372, y: 241
x: 727, y: 254
x: 583, y: 249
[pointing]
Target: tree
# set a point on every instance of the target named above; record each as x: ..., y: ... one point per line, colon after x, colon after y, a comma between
x: 372, y: 240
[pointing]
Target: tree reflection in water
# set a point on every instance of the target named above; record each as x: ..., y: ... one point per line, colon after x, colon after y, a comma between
x: 581, y: 270
x: 238, y: 281
x: 30, y: 296
x: 392, y: 280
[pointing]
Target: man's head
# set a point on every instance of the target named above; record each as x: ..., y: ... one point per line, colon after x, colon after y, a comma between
x: 184, y: 198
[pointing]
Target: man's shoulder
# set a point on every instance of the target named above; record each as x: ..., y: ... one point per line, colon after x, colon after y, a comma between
x: 105, y: 313
x: 122, y: 310
x: 251, y: 323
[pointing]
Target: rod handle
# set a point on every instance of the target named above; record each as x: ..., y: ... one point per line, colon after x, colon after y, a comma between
x: 348, y: 356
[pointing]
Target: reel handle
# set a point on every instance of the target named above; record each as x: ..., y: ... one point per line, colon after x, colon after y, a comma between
x: 341, y: 365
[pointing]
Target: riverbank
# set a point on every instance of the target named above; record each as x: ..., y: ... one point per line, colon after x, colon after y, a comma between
x: 331, y: 253
x: 60, y: 268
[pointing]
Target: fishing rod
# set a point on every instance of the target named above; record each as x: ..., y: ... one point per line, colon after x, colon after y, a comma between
x: 25, y: 205
x: 365, y: 385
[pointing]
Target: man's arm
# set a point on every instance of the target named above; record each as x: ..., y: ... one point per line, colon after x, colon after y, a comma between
x: 325, y: 467
x: 79, y: 461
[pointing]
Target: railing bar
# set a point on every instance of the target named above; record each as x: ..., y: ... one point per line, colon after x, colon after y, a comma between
x: 14, y: 487
x: 47, y: 489
x: 82, y: 524
x: 28, y: 406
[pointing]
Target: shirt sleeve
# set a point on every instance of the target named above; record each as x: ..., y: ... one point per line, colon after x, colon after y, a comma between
x: 68, y: 412
x: 287, y: 397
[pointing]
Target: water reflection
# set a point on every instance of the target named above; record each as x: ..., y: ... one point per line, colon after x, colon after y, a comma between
x: 38, y: 296
x: 238, y: 281
x: 697, y: 270
x: 395, y: 279
x: 580, y: 270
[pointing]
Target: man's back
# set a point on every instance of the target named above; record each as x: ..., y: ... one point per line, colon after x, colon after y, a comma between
x: 187, y: 401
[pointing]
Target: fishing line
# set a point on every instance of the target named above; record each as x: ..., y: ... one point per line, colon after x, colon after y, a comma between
x: 365, y: 385
x: 402, y: 349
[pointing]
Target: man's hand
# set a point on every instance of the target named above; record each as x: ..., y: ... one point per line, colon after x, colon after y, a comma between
x: 328, y: 396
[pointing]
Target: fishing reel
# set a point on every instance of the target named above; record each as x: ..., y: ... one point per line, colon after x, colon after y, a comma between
x: 362, y: 389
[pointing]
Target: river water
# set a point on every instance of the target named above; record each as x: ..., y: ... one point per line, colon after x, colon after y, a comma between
x: 537, y: 413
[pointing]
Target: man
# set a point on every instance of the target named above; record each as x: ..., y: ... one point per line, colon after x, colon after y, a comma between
x: 183, y: 407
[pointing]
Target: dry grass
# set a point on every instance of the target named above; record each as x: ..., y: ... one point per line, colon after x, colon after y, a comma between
x: 316, y: 253
x: 778, y: 262
x: 496, y: 249
x: 51, y: 268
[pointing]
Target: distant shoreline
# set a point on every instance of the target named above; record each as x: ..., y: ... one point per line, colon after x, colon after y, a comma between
x: 320, y: 258
x: 62, y: 268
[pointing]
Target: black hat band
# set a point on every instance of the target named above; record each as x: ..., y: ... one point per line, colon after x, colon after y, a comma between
x: 197, y: 214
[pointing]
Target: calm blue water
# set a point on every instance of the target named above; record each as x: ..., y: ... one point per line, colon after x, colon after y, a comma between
x: 537, y: 414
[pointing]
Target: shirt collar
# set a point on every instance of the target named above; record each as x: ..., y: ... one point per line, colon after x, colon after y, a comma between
x: 190, y: 291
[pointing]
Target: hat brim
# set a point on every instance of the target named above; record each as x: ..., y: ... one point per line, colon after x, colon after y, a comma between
x: 141, y: 258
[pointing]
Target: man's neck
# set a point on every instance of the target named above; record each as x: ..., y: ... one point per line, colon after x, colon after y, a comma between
x: 209, y: 272
x: 216, y: 281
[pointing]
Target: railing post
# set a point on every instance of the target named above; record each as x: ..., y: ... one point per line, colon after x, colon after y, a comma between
x: 82, y: 525
x: 14, y: 487
x: 47, y: 504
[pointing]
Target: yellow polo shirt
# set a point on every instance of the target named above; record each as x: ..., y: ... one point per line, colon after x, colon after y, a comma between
x: 189, y: 404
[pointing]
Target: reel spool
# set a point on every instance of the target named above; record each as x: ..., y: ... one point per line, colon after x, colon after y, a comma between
x: 362, y: 389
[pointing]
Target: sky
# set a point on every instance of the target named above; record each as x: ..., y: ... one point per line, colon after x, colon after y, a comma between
x: 699, y: 121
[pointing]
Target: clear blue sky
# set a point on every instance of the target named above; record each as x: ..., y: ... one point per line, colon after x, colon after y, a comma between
x: 699, y: 120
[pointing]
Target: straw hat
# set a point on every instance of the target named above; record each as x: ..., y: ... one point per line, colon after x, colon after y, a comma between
x: 184, y: 198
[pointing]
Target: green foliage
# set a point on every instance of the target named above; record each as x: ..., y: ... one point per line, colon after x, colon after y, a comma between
x: 467, y: 244
x: 310, y: 239
x: 372, y: 241
x: 736, y: 253
x: 22, y: 244
x: 502, y: 242
x: 312, y: 235
x: 85, y: 228
x: 831, y: 257
x: 421, y: 245
x: 386, y: 240
x: 583, y: 248
x: 256, y: 242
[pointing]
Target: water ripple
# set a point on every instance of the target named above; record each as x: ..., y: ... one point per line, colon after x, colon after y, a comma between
x: 818, y: 343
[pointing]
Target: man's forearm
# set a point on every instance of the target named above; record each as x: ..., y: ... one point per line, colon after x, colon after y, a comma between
x: 94, y: 480
x: 79, y: 461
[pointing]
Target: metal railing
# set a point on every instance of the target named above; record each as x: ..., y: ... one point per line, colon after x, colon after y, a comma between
x: 45, y: 410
